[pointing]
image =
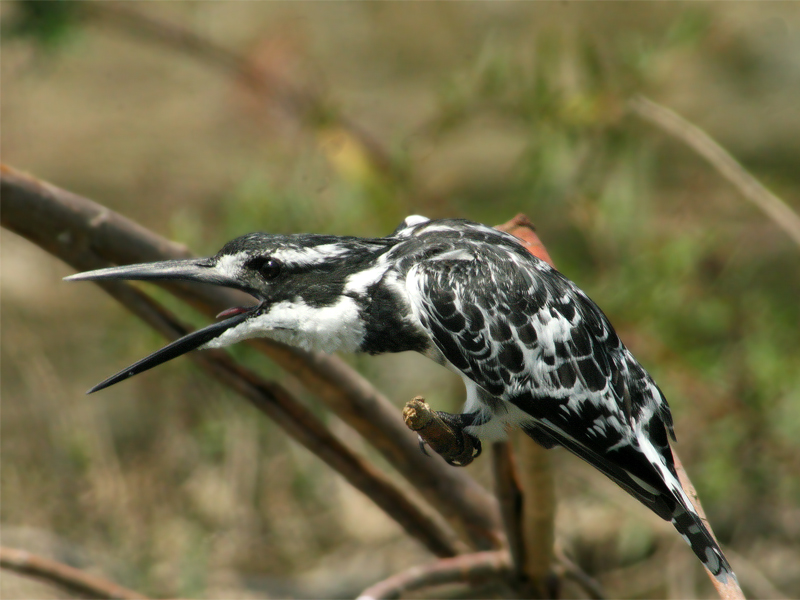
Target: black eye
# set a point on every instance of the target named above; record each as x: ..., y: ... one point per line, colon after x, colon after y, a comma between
x: 268, y: 267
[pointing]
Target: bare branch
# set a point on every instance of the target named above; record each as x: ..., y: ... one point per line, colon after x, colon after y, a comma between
x: 474, y: 568
x: 727, y: 166
x: 70, y: 579
x: 301, y: 424
x: 80, y: 232
x: 567, y: 569
x: 509, y: 493
x: 535, y: 475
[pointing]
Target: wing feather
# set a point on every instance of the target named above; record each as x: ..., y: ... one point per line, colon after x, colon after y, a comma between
x: 527, y: 336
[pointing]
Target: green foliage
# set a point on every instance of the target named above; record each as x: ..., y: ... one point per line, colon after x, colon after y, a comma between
x: 49, y: 23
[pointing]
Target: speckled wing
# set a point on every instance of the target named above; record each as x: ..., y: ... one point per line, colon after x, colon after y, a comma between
x: 528, y: 336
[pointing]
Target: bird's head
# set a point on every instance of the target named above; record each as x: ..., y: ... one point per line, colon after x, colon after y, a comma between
x: 307, y: 290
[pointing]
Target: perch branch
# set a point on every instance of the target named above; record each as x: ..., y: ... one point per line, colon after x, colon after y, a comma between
x: 729, y: 590
x: 535, y: 475
x: 278, y: 404
x: 72, y: 228
x: 455, y: 446
x: 479, y: 567
x: 69, y: 579
x: 727, y: 166
x: 299, y: 423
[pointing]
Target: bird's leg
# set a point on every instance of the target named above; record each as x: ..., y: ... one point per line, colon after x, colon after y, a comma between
x: 443, y: 432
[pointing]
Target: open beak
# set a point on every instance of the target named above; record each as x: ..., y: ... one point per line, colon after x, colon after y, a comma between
x: 195, y: 270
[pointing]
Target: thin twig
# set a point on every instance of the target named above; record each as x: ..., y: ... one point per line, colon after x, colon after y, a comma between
x: 727, y: 166
x: 474, y: 568
x: 569, y: 570
x: 69, y: 579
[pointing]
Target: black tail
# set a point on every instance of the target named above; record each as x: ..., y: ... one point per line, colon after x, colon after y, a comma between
x: 694, y: 531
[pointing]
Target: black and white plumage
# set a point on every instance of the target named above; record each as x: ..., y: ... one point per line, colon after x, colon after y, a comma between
x: 533, y: 350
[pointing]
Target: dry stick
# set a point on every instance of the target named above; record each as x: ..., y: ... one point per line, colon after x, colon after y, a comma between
x: 69, y: 226
x: 294, y: 418
x: 729, y: 590
x: 301, y: 424
x: 508, y: 490
x: 535, y: 471
x: 569, y: 570
x: 727, y: 166
x: 70, y: 579
x: 469, y: 568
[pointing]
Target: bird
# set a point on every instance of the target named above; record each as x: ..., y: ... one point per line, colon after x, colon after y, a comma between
x: 533, y: 350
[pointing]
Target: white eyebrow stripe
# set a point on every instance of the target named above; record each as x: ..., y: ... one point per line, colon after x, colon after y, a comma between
x: 310, y: 256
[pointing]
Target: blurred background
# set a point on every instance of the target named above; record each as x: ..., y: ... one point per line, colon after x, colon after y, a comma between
x: 172, y: 486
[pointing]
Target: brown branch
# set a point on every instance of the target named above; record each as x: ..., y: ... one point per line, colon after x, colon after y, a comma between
x: 567, y: 569
x: 76, y: 229
x: 727, y: 166
x: 300, y: 424
x: 69, y: 579
x: 508, y: 490
x: 538, y: 516
x: 535, y: 474
x: 476, y: 568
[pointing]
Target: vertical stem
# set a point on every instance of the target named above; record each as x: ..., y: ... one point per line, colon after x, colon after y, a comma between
x: 538, y: 515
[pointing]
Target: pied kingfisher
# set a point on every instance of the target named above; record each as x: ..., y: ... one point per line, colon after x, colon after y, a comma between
x: 533, y: 349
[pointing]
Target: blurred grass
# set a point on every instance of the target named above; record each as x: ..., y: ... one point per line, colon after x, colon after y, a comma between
x: 176, y: 489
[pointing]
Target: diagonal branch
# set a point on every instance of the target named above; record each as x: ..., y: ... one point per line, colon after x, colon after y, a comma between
x: 76, y: 230
x: 776, y: 209
x: 475, y: 568
x: 300, y: 423
x: 72, y: 580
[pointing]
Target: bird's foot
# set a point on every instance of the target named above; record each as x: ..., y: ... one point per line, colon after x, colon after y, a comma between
x: 442, y: 432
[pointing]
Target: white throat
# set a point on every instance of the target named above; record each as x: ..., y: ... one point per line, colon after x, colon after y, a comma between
x: 328, y: 328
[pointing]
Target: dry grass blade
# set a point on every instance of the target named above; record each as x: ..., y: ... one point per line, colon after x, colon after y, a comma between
x: 72, y: 580
x: 752, y: 189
